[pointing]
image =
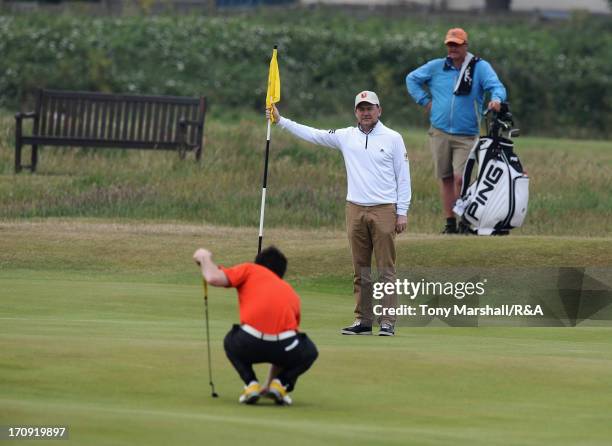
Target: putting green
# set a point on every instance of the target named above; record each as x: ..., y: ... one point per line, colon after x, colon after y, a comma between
x: 102, y: 330
x: 125, y: 363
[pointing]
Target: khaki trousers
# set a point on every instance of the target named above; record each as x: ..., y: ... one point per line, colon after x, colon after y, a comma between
x: 450, y: 152
x: 371, y: 229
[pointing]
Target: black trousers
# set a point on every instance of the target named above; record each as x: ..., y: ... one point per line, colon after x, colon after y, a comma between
x: 294, y: 355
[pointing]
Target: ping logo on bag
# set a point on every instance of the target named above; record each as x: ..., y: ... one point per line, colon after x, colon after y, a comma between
x: 492, y: 176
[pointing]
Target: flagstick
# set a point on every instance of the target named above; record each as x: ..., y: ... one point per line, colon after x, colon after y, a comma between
x: 263, y: 190
x: 272, y: 96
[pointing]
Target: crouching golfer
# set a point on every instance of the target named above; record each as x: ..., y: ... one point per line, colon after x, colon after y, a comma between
x: 269, y: 323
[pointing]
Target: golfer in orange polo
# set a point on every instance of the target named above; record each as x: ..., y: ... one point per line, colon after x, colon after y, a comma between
x: 269, y: 324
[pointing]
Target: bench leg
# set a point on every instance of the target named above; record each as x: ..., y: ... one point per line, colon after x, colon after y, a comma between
x: 18, y: 144
x: 198, y: 154
x: 34, y: 157
x: 18, y: 156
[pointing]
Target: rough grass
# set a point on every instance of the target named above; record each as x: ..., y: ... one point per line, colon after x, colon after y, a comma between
x: 570, y: 188
x: 102, y: 330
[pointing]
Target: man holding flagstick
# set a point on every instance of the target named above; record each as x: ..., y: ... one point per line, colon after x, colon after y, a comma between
x: 377, y: 200
x: 272, y: 96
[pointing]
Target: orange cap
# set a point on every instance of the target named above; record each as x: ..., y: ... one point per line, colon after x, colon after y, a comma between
x: 456, y: 35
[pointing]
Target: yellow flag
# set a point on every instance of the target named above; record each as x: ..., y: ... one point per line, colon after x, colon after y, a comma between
x: 273, y: 95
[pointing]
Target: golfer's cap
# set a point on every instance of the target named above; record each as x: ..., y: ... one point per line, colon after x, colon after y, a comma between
x: 367, y: 96
x: 456, y: 35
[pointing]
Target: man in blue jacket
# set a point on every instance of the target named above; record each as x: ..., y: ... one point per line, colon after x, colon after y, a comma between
x: 456, y: 86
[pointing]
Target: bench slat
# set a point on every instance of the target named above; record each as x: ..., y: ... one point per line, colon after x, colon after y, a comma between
x: 107, y: 143
x: 163, y: 123
x: 110, y: 120
x: 126, y: 120
x: 103, y: 119
x: 79, y: 106
x: 141, y: 109
x: 118, y: 120
x: 168, y: 126
x: 58, y: 117
x: 66, y: 116
x: 86, y: 116
x: 96, y: 119
x: 80, y: 127
x: 72, y: 118
x: 135, y: 111
x: 155, y: 125
x: 146, y: 124
x: 44, y: 106
x: 50, y: 115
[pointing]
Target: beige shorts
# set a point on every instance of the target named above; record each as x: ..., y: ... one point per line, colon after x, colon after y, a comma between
x: 450, y: 152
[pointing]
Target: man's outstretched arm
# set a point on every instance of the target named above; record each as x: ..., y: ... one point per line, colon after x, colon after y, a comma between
x: 327, y: 138
x: 211, y: 272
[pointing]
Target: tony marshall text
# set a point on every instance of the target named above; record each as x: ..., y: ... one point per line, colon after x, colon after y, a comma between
x: 460, y: 310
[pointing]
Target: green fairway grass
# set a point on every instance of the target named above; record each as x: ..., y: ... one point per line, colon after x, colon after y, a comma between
x: 102, y: 330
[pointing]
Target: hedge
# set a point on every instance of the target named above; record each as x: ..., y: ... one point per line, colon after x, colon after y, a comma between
x: 558, y: 76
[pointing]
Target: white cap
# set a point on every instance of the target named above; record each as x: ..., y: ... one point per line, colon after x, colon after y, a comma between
x: 367, y: 96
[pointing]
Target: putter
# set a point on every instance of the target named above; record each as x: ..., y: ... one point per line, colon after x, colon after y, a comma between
x: 212, y: 386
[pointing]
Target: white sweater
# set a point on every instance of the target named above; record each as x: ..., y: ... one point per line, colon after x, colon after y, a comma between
x: 377, y: 168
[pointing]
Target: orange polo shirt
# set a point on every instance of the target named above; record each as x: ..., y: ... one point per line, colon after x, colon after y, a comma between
x: 266, y: 301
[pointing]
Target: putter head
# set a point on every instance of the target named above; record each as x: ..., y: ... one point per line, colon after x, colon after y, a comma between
x: 215, y: 395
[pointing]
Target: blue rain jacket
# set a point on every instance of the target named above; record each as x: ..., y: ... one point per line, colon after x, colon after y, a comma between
x: 456, y: 114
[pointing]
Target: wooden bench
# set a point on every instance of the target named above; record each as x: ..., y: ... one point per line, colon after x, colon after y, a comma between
x: 84, y: 119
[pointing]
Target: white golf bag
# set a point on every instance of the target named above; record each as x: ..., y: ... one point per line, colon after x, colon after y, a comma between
x: 496, y: 201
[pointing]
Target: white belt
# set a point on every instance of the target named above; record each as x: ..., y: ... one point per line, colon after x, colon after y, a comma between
x: 268, y: 337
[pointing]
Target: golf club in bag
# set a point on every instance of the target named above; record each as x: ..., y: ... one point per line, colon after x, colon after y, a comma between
x: 496, y: 201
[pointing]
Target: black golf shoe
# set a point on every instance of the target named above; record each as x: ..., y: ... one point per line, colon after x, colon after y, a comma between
x: 449, y: 229
x: 357, y: 329
x: 464, y: 229
x: 386, y: 330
